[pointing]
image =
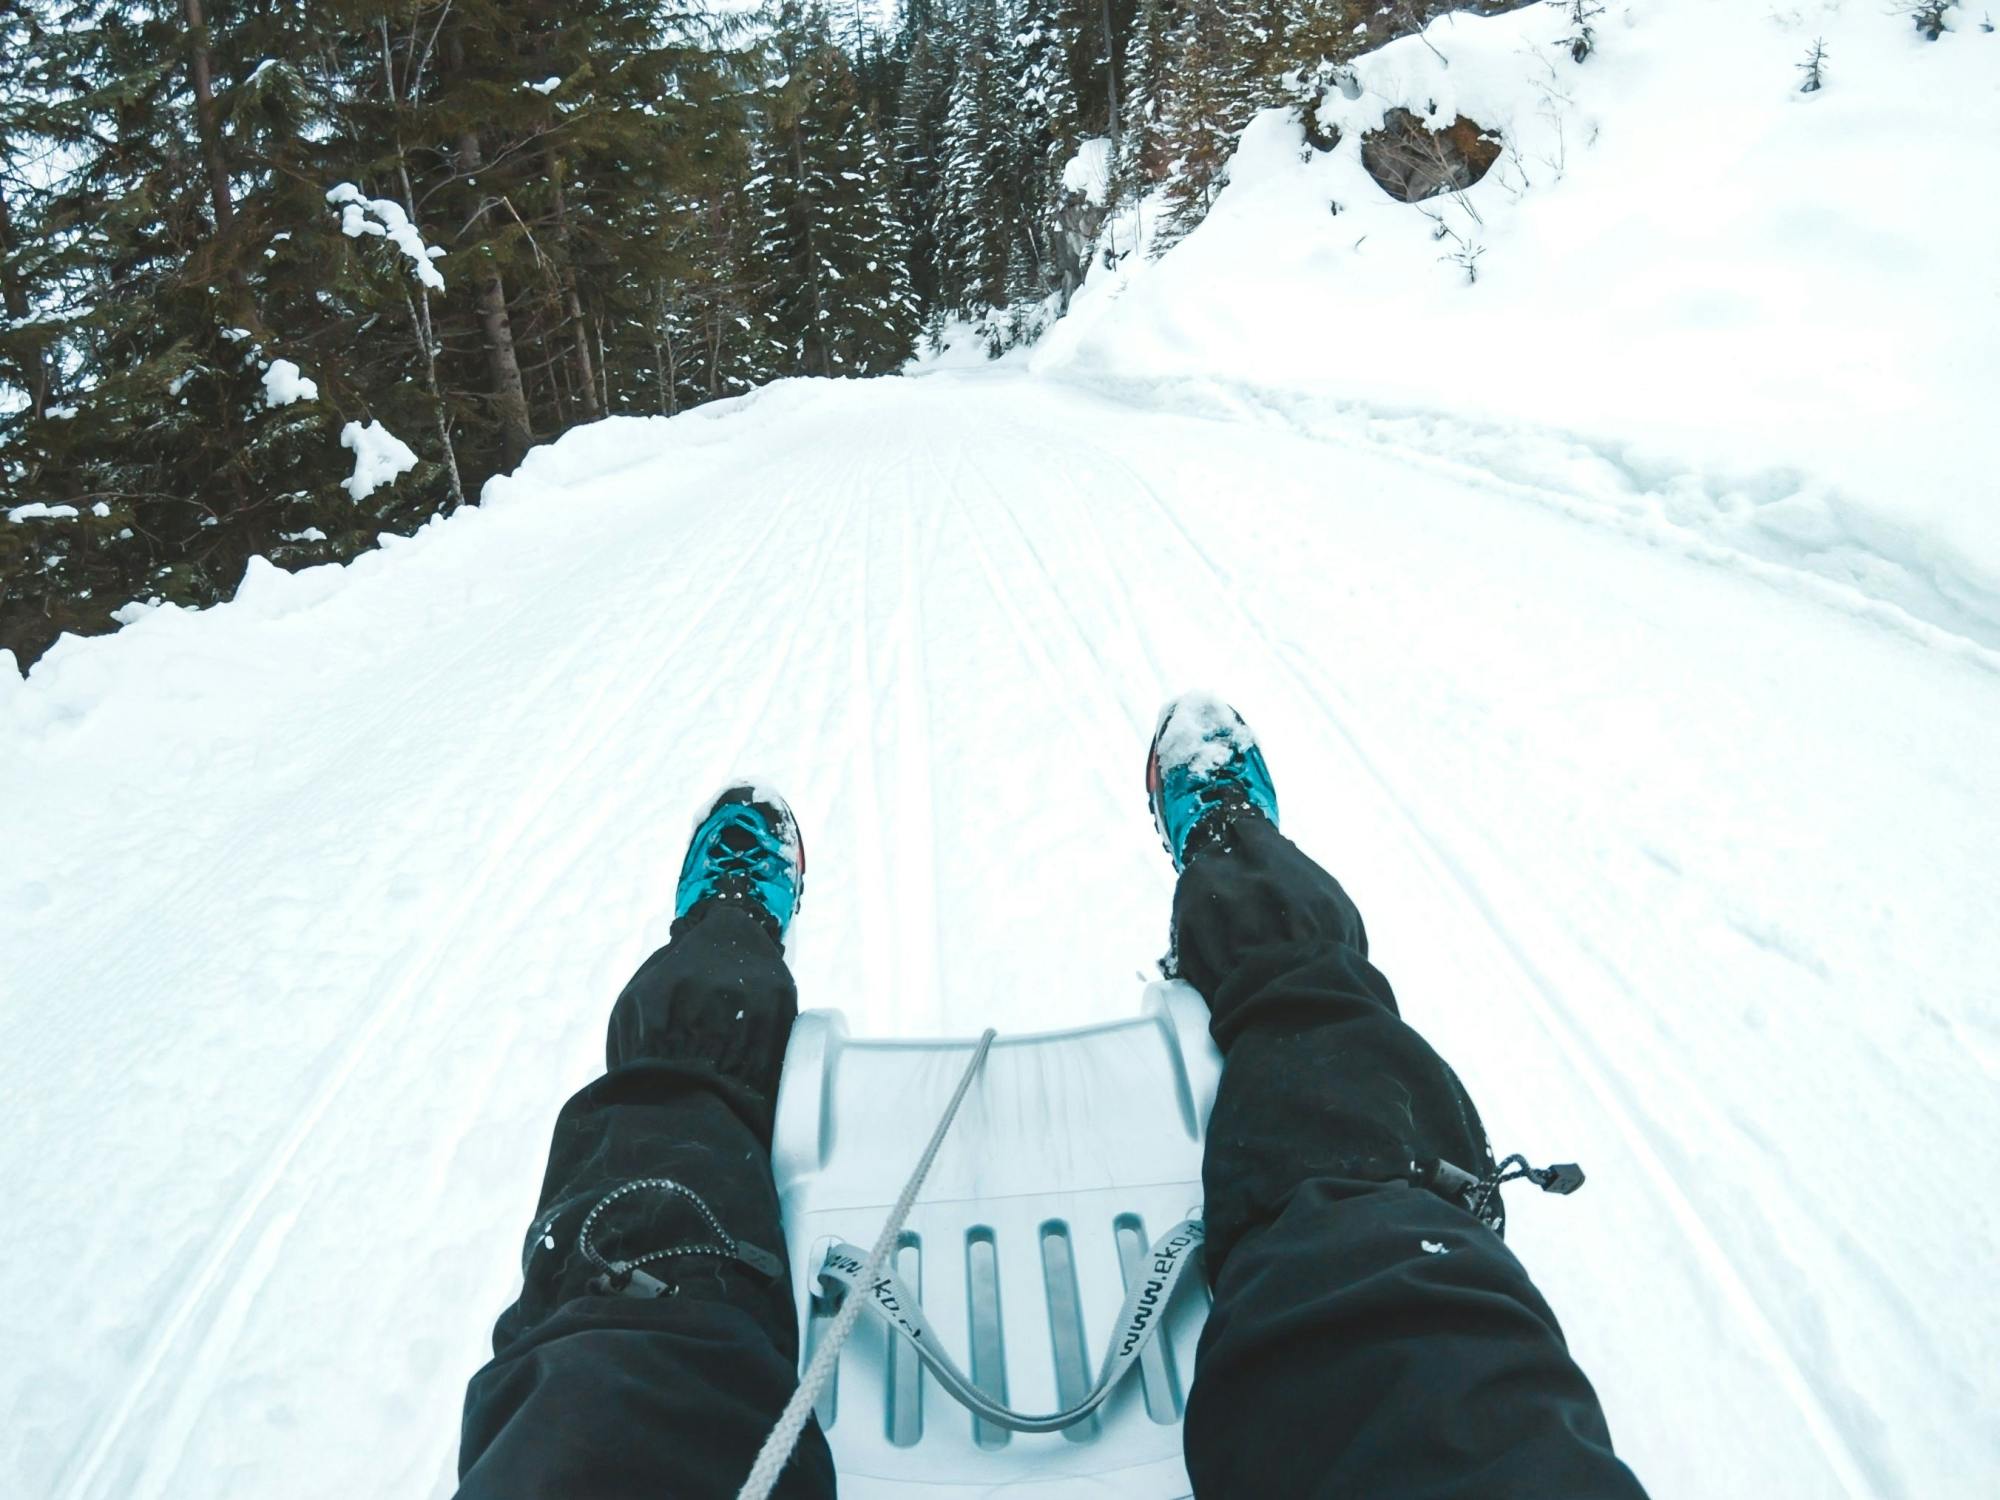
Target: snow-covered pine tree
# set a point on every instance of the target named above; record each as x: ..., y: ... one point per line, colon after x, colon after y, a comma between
x: 1307, y: 39
x: 918, y: 138
x: 175, y: 153
x: 978, y: 202
x: 1143, y: 159
x: 828, y: 240
x: 1045, y: 135
x: 1210, y: 89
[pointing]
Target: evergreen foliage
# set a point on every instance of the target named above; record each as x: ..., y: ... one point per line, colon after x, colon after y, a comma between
x: 830, y: 248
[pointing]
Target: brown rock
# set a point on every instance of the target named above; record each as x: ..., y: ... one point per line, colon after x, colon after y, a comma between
x: 1412, y: 162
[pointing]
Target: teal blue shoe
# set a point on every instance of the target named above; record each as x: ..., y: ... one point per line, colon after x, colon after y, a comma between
x: 746, y: 850
x: 1205, y: 772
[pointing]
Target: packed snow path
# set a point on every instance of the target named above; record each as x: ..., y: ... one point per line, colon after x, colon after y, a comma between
x: 314, y: 904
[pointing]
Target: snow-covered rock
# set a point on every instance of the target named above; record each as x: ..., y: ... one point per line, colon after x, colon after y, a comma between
x: 1088, y: 173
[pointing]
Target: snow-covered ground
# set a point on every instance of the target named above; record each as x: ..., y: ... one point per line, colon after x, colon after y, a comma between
x: 1677, y: 840
x: 1730, y: 316
x: 315, y: 902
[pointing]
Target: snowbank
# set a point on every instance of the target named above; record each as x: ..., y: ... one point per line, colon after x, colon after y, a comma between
x: 1727, y: 312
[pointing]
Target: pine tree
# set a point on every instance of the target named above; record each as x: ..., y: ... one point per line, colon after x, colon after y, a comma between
x: 829, y: 244
x: 1143, y: 159
x: 1207, y: 97
x: 1044, y: 136
x: 1309, y: 38
x: 918, y: 140
x: 978, y: 200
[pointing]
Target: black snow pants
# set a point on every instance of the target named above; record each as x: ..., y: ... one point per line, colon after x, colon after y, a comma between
x: 1368, y: 1339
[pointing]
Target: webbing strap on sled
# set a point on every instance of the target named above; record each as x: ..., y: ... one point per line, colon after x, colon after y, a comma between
x: 1139, y: 1320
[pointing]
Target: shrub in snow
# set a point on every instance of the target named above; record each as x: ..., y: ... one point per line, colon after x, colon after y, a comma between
x: 1814, y: 67
x: 1582, y: 40
x: 1412, y: 162
x: 380, y: 457
x: 1931, y: 16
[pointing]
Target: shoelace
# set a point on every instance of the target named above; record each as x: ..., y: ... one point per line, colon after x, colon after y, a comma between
x: 763, y: 861
x: 1225, y: 788
x: 1226, y: 784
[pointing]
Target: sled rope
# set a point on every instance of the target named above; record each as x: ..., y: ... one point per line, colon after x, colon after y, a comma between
x: 784, y: 1437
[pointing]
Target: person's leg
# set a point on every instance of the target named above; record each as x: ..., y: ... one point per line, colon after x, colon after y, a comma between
x: 664, y: 1380
x: 1368, y: 1337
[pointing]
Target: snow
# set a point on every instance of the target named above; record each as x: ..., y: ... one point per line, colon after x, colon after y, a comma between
x: 1716, y: 311
x: 1088, y: 173
x: 40, y: 511
x: 380, y: 457
x: 1650, y: 726
x: 100, y: 509
x: 1688, y: 873
x: 384, y: 217
x: 1203, y: 735
x: 547, y: 86
x: 283, y: 384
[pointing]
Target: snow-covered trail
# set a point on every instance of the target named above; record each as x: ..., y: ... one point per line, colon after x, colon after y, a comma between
x: 313, y: 905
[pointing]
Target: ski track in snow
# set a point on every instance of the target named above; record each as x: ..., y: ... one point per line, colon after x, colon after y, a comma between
x: 1680, y: 869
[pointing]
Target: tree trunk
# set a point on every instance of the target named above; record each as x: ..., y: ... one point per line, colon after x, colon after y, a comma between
x: 572, y: 303
x: 818, y: 344
x: 517, y: 434
x: 421, y: 325
x: 1111, y: 73
x: 205, y: 120
x: 603, y: 368
x: 34, y: 371
x: 510, y: 397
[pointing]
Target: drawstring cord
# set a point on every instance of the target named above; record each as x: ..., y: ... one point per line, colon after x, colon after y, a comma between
x: 628, y: 1278
x: 1562, y: 1178
x: 1480, y: 1196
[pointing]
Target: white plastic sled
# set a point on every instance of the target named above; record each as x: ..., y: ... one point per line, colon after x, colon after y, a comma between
x: 1073, y: 1154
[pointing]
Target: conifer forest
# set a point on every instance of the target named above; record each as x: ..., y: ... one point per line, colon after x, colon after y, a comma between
x: 281, y: 277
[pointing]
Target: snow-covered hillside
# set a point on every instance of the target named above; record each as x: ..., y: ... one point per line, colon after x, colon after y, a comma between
x: 1673, y: 826
x: 1727, y: 315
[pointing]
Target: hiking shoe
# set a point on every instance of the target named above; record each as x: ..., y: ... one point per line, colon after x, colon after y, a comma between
x: 746, y: 849
x: 1204, y: 773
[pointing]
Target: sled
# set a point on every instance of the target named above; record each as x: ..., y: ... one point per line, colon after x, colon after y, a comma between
x: 1071, y: 1161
